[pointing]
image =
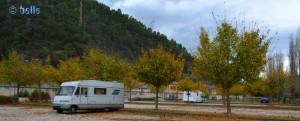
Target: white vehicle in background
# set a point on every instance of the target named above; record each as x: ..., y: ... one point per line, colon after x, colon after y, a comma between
x: 192, y: 97
x: 89, y: 95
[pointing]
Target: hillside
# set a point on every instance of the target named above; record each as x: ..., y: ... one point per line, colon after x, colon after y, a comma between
x: 56, y: 31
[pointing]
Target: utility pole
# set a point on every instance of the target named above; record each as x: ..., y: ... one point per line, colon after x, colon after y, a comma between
x: 80, y: 16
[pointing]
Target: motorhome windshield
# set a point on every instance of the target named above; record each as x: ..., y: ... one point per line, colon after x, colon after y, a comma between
x: 66, y: 90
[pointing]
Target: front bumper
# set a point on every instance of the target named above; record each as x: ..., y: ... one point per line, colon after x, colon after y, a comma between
x: 60, y: 106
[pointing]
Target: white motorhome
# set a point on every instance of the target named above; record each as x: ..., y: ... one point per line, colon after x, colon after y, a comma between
x: 89, y: 95
x: 192, y: 97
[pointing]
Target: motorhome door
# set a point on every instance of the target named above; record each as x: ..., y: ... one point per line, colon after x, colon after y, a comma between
x: 84, y: 97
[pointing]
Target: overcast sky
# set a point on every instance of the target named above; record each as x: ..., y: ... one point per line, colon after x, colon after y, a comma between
x: 182, y: 19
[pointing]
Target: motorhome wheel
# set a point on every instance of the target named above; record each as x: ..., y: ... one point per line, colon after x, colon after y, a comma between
x: 60, y: 111
x: 72, y: 109
x: 106, y: 109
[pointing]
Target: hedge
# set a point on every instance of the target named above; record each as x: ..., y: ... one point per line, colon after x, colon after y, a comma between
x: 5, y: 99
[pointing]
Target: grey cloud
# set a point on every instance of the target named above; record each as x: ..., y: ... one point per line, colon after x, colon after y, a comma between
x: 181, y: 19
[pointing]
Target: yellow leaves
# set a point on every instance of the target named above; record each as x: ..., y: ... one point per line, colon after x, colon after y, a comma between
x: 275, y: 73
x: 201, y: 87
x: 50, y: 73
x: 186, y: 84
x: 129, y: 79
x: 98, y: 65
x: 237, y: 89
x: 153, y: 88
x: 70, y: 70
x: 34, y: 72
x: 12, y: 69
x: 230, y: 57
x: 159, y: 67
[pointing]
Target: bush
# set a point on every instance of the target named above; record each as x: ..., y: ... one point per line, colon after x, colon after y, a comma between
x: 35, y: 96
x: 297, y: 94
x: 148, y: 99
x: 5, y: 99
x: 24, y: 94
x: 21, y: 94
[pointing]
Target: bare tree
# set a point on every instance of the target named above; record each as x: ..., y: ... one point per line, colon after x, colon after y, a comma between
x: 275, y: 74
x: 298, y: 53
x: 293, y: 66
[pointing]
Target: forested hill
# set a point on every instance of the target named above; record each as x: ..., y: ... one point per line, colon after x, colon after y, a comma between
x: 56, y: 31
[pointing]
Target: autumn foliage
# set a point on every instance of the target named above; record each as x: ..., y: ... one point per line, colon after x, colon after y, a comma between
x: 159, y: 68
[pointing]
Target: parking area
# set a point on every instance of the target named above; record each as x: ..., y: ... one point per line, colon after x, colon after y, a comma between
x: 34, y: 113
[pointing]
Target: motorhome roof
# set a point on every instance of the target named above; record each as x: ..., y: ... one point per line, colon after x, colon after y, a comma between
x: 72, y: 83
x: 93, y: 83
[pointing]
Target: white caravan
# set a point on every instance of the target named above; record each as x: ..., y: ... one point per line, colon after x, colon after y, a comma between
x: 89, y: 95
x: 192, y: 97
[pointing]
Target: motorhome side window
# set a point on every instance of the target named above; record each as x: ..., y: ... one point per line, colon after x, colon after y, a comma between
x: 83, y: 91
x: 116, y: 92
x: 99, y: 91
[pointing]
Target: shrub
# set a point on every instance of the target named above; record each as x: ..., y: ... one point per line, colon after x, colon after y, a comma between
x: 5, y: 99
x: 24, y: 94
x: 21, y: 94
x: 148, y: 99
x: 35, y: 93
x: 35, y: 96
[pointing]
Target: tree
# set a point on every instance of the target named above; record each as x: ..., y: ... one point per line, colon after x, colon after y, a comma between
x: 275, y: 74
x: 153, y: 88
x: 13, y: 71
x: 130, y: 81
x: 92, y: 63
x: 114, y: 69
x: 201, y: 87
x: 70, y: 70
x: 103, y: 67
x: 34, y: 72
x: 256, y: 87
x: 293, y: 64
x: 159, y: 68
x: 237, y: 90
x: 297, y: 39
x: 231, y: 57
x: 187, y: 85
x: 49, y: 72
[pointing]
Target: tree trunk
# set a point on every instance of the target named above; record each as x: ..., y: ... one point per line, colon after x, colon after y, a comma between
x: 228, y: 101
x: 224, y: 99
x: 177, y: 96
x: 40, y: 95
x: 270, y: 100
x: 188, y: 96
x: 18, y: 92
x: 130, y: 95
x: 156, y: 98
x: 277, y: 97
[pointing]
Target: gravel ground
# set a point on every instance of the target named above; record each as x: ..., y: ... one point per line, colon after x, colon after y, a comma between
x: 8, y: 113
x: 247, y: 111
x: 43, y: 113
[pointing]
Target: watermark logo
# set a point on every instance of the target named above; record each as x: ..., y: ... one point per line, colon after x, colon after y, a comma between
x: 31, y: 10
x: 12, y: 10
